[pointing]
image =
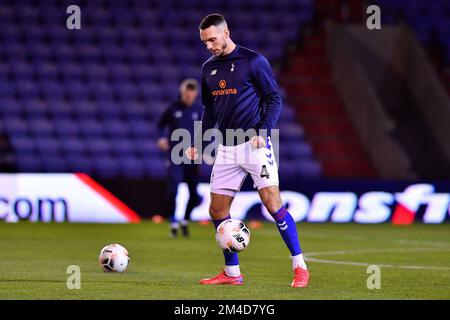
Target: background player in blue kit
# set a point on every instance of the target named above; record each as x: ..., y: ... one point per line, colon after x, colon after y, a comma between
x: 239, y: 91
x: 181, y: 114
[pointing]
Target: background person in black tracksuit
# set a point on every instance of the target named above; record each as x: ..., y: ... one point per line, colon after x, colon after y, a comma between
x: 180, y: 114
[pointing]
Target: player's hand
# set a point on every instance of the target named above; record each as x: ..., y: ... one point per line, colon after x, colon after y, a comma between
x: 163, y: 144
x: 257, y: 142
x: 192, y: 153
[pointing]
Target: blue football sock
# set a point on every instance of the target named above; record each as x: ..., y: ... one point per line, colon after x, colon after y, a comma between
x: 231, y: 258
x: 288, y: 230
x: 173, y: 219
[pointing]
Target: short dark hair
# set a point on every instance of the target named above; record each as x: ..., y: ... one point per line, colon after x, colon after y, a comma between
x: 189, y: 84
x: 213, y: 19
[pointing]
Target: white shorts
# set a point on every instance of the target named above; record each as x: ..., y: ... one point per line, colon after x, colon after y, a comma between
x: 233, y: 163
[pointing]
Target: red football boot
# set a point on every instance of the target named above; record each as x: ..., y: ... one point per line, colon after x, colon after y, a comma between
x: 222, y: 278
x: 301, y: 278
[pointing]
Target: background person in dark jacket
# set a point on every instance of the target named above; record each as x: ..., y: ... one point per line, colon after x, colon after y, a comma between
x: 180, y: 114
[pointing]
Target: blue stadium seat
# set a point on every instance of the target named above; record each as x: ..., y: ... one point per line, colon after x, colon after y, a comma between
x: 47, y: 146
x: 132, y: 166
x: 135, y: 111
x: 27, y: 89
x: 79, y: 163
x: 73, y: 146
x: 309, y: 169
x: 99, y: 146
x: 147, y: 148
x: 106, y: 167
x: 55, y: 164
x: 109, y: 109
x: 92, y: 128
x: 59, y: 108
x: 299, y: 169
x: 10, y: 108
x: 142, y: 128
x: 52, y: 90
x: 15, y: 126
x: 295, y: 150
x: 22, y: 144
x: 124, y: 146
x: 116, y: 128
x: 41, y: 126
x: 28, y: 163
x: 156, y: 167
x: 36, y: 108
x: 291, y: 132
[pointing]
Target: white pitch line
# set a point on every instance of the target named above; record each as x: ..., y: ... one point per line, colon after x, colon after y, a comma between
x: 380, y: 265
x: 400, y: 240
x: 375, y: 250
x: 364, y: 264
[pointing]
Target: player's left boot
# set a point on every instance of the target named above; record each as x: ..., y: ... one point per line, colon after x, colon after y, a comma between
x: 301, y: 278
x: 222, y: 278
x: 185, y: 230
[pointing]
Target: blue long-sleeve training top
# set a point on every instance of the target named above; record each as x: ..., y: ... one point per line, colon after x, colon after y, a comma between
x: 239, y: 91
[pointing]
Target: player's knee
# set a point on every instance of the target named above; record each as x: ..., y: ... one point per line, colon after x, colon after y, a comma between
x: 272, y: 206
x: 271, y: 201
x: 216, y: 211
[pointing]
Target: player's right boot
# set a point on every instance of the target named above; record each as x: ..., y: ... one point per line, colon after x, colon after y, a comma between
x: 173, y: 232
x: 222, y: 278
x: 174, y: 226
x: 301, y: 278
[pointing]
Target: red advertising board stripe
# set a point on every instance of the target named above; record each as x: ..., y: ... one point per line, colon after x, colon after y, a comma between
x: 402, y: 215
x: 130, y: 215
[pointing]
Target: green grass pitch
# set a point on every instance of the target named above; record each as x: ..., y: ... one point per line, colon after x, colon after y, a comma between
x: 414, y: 262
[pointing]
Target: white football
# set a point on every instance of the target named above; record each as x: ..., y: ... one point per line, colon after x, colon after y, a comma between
x: 232, y: 235
x: 114, y: 258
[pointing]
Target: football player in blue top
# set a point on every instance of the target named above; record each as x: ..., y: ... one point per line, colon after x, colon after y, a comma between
x: 239, y: 92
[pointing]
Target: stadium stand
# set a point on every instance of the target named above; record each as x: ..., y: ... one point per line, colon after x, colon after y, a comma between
x: 87, y: 100
x: 312, y: 89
